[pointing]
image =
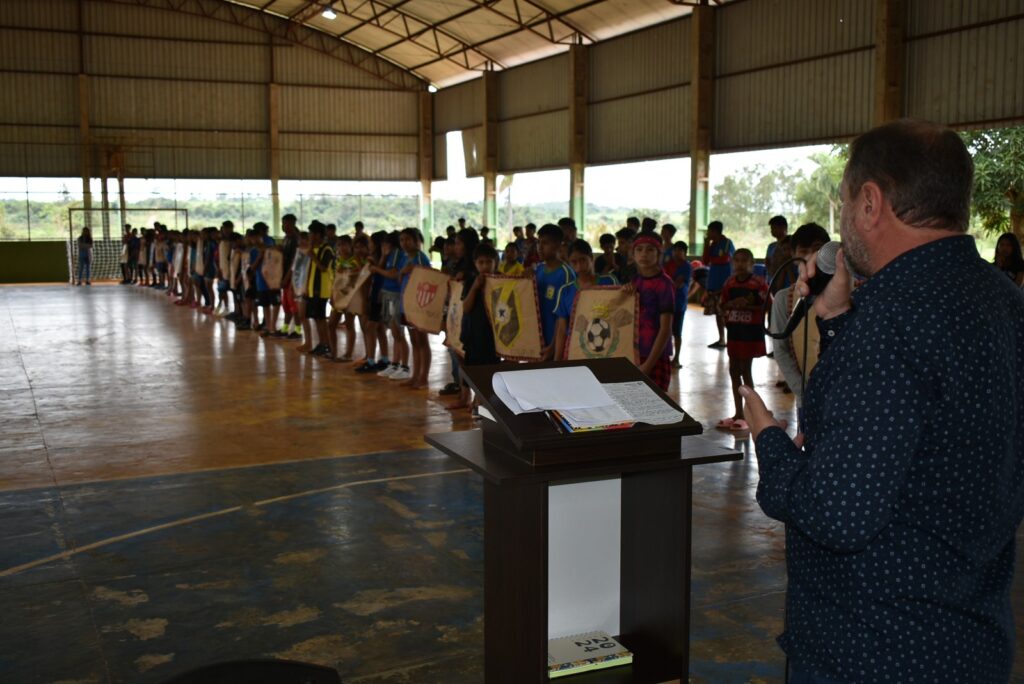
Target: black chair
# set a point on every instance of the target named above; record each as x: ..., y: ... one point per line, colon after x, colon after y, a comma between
x: 259, y: 671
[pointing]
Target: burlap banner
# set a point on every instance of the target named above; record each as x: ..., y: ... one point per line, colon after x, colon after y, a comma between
x: 423, y: 299
x: 199, y: 263
x: 272, y: 267
x: 514, y: 312
x: 603, y: 324
x: 453, y: 320
x: 248, y: 277
x: 178, y: 260
x: 359, y: 303
x: 236, y: 265
x: 347, y: 283
x: 224, y: 257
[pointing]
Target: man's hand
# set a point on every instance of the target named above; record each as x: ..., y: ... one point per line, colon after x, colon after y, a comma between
x: 759, y: 417
x: 835, y: 299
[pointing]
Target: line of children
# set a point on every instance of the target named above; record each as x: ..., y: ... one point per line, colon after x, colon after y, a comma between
x: 191, y: 264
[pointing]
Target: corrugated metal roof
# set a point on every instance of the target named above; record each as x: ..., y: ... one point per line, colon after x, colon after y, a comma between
x: 452, y: 41
x: 39, y: 99
x: 148, y: 58
x: 804, y: 102
x: 19, y: 50
x: 761, y: 33
x: 644, y: 126
x: 322, y: 110
x: 458, y: 107
x: 967, y: 77
x: 175, y: 105
x: 535, y: 87
x: 930, y: 16
x: 534, y: 142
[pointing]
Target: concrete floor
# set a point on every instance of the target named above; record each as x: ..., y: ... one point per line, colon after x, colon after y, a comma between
x: 173, y: 492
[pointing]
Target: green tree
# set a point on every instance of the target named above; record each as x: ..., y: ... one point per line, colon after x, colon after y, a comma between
x: 818, y: 194
x: 998, y: 179
x: 744, y: 202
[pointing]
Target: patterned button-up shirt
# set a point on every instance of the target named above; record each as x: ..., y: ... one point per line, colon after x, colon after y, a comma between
x: 902, y: 507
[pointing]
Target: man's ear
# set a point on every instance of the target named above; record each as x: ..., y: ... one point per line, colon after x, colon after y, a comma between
x: 873, y: 205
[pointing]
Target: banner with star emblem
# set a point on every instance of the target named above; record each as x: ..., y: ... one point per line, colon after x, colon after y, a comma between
x: 514, y: 311
x: 603, y: 324
x: 423, y: 299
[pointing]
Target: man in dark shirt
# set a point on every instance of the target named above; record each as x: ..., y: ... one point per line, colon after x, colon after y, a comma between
x: 903, y: 495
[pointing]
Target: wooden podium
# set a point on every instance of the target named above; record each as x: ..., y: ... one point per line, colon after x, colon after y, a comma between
x: 520, y: 457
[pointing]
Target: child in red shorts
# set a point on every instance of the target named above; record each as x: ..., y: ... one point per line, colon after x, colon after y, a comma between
x: 743, y: 301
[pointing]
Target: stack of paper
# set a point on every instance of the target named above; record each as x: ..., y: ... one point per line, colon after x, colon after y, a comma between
x: 578, y: 402
x: 528, y: 391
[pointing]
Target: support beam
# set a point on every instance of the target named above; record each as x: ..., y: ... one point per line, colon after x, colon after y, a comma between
x: 84, y: 140
x: 85, y: 147
x: 490, y: 151
x: 577, y: 133
x: 426, y: 164
x: 702, y: 60
x: 889, y: 59
x: 273, y: 105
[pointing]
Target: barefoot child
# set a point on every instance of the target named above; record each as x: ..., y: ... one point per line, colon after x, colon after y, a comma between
x: 743, y: 301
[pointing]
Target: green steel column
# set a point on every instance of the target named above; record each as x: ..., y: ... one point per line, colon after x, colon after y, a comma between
x: 577, y: 134
x: 702, y: 41
x: 426, y: 164
x: 490, y: 151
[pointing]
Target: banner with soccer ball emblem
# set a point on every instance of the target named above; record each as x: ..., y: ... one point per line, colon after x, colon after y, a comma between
x: 603, y: 324
x: 514, y: 312
x: 453, y: 319
x: 423, y: 299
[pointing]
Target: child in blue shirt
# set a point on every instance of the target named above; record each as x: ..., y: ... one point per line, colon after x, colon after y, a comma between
x: 552, y: 274
x: 391, y: 306
x: 581, y: 258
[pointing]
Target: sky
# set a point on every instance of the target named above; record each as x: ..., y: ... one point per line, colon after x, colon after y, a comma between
x: 662, y: 184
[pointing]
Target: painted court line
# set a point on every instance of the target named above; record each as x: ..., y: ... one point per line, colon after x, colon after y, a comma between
x: 214, y: 514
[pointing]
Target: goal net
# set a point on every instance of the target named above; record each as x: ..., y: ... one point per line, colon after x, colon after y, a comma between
x: 106, y: 228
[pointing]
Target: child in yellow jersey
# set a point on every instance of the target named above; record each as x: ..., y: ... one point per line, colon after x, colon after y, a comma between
x: 510, y: 264
x: 319, y: 286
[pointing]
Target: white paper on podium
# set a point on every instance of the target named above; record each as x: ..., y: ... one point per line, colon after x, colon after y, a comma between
x: 573, y: 387
x: 642, y: 403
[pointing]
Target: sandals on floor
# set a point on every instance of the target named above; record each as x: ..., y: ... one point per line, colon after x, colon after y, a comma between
x: 726, y: 423
x: 739, y: 425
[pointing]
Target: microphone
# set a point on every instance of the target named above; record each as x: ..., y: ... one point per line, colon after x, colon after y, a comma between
x: 825, y: 264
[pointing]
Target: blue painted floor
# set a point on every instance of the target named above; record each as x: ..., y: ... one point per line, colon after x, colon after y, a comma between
x: 371, y: 564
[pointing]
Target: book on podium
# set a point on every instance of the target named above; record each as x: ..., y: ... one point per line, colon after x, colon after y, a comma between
x: 572, y: 411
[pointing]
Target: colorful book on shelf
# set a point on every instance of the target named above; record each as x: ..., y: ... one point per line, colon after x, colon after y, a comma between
x: 585, y: 652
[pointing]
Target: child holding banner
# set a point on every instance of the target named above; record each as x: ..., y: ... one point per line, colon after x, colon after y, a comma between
x: 477, y: 335
x: 345, y: 265
x: 391, y: 305
x: 412, y: 244
x: 552, y: 274
x: 581, y: 258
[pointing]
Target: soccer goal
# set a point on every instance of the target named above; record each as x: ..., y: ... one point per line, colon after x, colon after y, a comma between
x: 106, y: 228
